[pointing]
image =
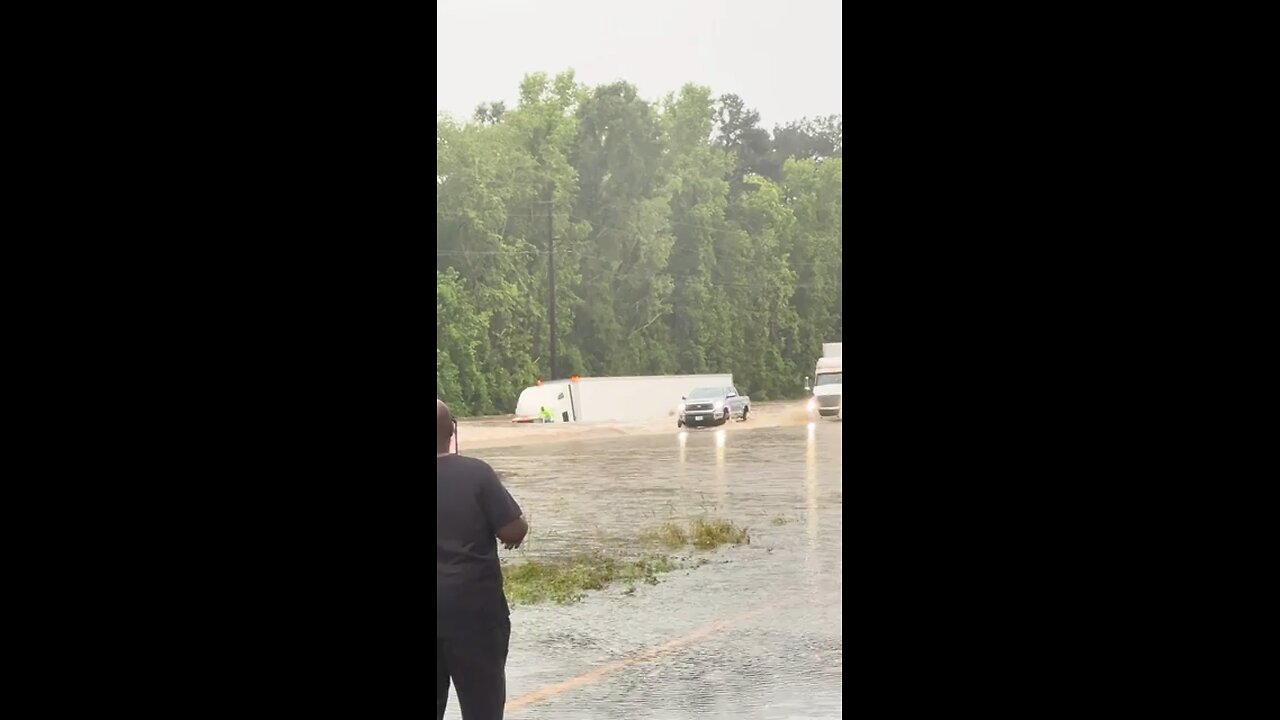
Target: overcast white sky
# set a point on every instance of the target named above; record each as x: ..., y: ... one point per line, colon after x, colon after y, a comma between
x: 782, y: 56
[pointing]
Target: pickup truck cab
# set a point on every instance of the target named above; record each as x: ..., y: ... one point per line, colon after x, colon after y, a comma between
x: 712, y: 406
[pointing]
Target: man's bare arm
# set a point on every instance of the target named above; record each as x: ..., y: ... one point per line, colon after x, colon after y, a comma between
x: 512, y: 534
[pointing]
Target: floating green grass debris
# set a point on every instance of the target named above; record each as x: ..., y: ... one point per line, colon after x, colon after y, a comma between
x: 668, y: 535
x: 702, y: 533
x: 569, y: 580
x: 707, y: 534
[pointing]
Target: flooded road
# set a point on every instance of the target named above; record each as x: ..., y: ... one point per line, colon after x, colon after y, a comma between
x: 755, y: 631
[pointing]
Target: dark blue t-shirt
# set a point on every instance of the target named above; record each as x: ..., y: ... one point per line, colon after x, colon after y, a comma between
x: 471, y: 504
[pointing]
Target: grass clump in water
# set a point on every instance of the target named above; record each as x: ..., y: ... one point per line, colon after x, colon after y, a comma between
x: 707, y: 534
x: 668, y: 535
x: 703, y: 533
x: 567, y: 581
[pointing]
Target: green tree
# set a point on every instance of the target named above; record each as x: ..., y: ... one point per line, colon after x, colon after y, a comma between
x: 687, y: 239
x: 625, y: 285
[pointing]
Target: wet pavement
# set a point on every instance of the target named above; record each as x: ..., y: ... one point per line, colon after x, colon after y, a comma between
x: 755, y: 632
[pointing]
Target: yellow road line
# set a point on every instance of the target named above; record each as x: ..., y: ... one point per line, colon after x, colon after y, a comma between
x: 645, y: 655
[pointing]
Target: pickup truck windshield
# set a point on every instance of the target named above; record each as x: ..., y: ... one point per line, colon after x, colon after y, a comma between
x: 706, y: 393
x: 830, y: 379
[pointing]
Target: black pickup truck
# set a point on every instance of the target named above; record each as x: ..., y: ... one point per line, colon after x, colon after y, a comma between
x: 712, y: 406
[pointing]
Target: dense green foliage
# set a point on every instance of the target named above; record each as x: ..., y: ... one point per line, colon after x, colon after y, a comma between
x: 687, y: 240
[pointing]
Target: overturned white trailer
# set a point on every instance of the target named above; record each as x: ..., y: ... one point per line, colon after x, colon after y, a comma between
x: 613, y: 399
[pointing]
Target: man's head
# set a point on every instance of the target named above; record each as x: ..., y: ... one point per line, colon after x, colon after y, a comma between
x: 444, y: 427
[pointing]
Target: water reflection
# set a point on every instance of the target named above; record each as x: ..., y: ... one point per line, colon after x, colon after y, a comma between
x: 722, y: 485
x: 811, y: 483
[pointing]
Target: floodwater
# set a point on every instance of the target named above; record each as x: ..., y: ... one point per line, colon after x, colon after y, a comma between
x: 754, y: 632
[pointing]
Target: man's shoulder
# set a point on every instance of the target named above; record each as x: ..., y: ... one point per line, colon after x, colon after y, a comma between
x: 472, y: 461
x: 465, y: 464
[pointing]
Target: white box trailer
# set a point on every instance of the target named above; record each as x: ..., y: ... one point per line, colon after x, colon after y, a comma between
x: 639, y: 398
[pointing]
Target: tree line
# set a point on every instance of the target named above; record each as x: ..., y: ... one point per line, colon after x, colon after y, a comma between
x: 687, y: 239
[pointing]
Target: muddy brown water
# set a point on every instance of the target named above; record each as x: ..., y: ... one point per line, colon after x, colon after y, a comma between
x: 755, y: 632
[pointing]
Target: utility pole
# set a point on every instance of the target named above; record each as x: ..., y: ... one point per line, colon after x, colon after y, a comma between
x: 551, y: 273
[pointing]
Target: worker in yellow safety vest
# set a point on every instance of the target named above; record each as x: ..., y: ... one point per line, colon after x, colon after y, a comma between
x: 546, y: 414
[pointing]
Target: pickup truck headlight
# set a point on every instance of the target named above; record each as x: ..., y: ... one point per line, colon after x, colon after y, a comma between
x: 813, y: 404
x: 719, y: 404
x: 680, y: 409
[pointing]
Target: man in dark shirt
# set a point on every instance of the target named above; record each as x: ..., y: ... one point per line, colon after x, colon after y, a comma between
x: 472, y: 624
